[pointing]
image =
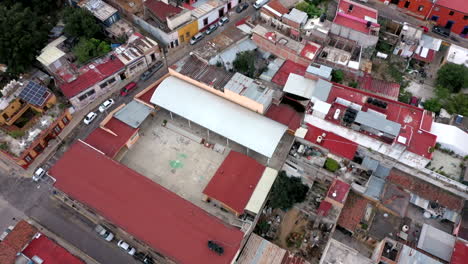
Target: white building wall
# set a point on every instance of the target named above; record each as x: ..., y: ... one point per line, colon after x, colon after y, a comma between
x: 98, y: 91
x: 180, y: 19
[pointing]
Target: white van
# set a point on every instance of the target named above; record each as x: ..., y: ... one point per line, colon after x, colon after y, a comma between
x: 38, y: 174
x: 259, y: 3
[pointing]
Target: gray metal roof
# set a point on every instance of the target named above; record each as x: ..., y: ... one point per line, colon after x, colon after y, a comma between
x: 436, y: 242
x: 322, y: 90
x: 370, y: 163
x: 297, y: 16
x: 378, y: 122
x: 133, y: 114
x: 248, y: 87
x: 322, y: 71
x: 219, y: 115
x: 382, y: 172
x: 375, y: 187
x: 411, y: 256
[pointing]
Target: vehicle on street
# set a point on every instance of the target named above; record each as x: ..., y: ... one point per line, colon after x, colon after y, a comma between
x: 196, y: 38
x: 143, y: 258
x: 211, y: 29
x: 424, y: 28
x: 104, y: 233
x: 441, y: 31
x: 89, y: 118
x: 148, y: 73
x: 259, y: 3
x: 38, y: 174
x: 106, y: 105
x: 129, y: 87
x: 241, y: 7
x: 223, y: 20
x: 125, y: 246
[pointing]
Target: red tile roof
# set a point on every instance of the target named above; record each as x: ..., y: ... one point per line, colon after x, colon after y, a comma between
x: 410, y: 117
x: 309, y: 51
x: 109, y: 143
x: 324, y: 208
x: 146, y: 97
x: 458, y: 5
x: 338, y: 191
x: 383, y: 88
x: 50, y: 252
x: 15, y: 241
x: 460, y: 253
x: 335, y: 144
x: 291, y: 258
x: 425, y: 190
x: 285, y: 115
x: 356, y: 18
x: 277, y: 6
x: 89, y: 77
x: 353, y: 211
x: 235, y: 181
x: 166, y: 222
x: 162, y: 10
x: 287, y: 68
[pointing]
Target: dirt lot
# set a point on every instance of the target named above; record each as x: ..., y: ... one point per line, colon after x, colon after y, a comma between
x: 293, y: 221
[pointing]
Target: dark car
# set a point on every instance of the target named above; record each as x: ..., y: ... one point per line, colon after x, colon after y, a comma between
x: 241, y: 7
x: 147, y: 74
x: 143, y: 258
x: 441, y: 31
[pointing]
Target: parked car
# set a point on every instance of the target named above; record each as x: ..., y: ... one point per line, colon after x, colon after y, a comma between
x: 148, y: 73
x: 129, y: 87
x: 259, y: 3
x: 441, y: 31
x: 196, y: 38
x: 125, y: 246
x: 104, y: 233
x: 424, y: 28
x: 223, y: 20
x: 241, y: 7
x: 89, y: 118
x: 211, y: 29
x: 38, y: 174
x: 143, y: 258
x: 106, y: 105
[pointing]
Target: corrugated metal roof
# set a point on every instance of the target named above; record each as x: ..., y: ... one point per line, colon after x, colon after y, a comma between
x: 247, y: 87
x: 370, y: 163
x: 261, y: 190
x: 221, y: 116
x: 259, y: 251
x: 411, y: 256
x: 300, y: 86
x: 375, y: 186
x: 378, y: 122
x: 436, y: 242
x: 322, y: 90
x: 133, y: 114
x: 297, y: 16
x: 51, y: 53
x: 322, y: 71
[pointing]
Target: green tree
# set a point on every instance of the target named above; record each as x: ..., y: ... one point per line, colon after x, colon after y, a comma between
x: 432, y: 105
x: 309, y: 8
x: 331, y: 165
x: 287, y: 191
x: 245, y: 63
x: 22, y: 34
x: 88, y: 49
x: 453, y: 77
x: 80, y: 22
x: 457, y: 104
x: 337, y: 76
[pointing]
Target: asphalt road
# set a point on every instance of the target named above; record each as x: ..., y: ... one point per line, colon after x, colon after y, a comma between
x: 21, y: 196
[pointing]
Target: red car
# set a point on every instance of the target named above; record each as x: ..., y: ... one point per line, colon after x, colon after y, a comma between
x: 426, y: 29
x: 129, y: 87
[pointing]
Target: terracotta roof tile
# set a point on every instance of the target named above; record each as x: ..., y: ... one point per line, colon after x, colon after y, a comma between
x: 353, y: 211
x: 15, y: 241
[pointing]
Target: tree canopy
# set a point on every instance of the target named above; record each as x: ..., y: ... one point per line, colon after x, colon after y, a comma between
x: 245, y: 63
x: 287, y: 191
x: 79, y: 22
x: 23, y: 32
x: 88, y: 49
x: 453, y: 77
x: 310, y: 8
x: 337, y: 76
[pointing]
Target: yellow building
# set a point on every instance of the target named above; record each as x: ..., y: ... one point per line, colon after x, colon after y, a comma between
x: 188, y: 31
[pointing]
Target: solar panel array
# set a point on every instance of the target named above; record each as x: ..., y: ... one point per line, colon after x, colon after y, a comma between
x: 34, y: 93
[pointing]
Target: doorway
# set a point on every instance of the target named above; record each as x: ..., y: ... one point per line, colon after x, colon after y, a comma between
x: 449, y: 24
x: 407, y: 4
x: 464, y: 31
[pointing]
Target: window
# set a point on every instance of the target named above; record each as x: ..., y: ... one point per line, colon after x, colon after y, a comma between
x: 187, y: 34
x: 57, y: 129
x: 91, y: 92
x: 81, y: 98
x: 28, y: 159
x: 407, y: 4
x: 65, y: 120
x: 103, y: 85
x: 451, y: 13
x: 111, y: 81
x: 434, y: 18
x: 205, y: 21
x: 420, y: 8
x: 38, y: 148
x: 465, y: 17
x: 182, y: 38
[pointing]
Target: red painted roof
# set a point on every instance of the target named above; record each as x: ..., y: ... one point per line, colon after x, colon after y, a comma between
x: 340, y: 189
x: 460, y: 253
x: 324, y: 208
x: 458, y: 5
x: 88, y: 77
x: 162, y: 10
x: 287, y: 68
x: 235, y: 181
x: 285, y: 115
x: 278, y: 7
x: 107, y: 142
x: 291, y: 258
x: 425, y: 190
x: 14, y: 242
x: 429, y: 58
x: 166, y: 222
x: 309, y: 51
x: 335, y: 144
x: 354, y: 19
x: 410, y: 117
x: 146, y: 97
x: 50, y: 252
x: 386, y: 89
x: 353, y: 211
